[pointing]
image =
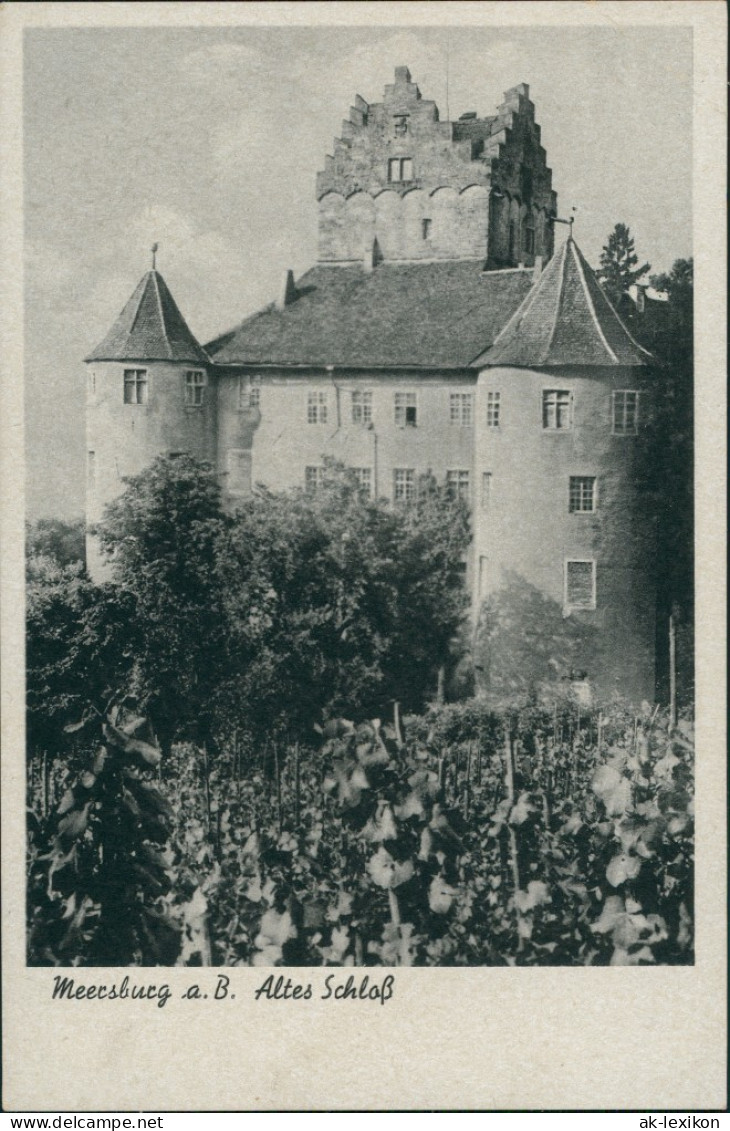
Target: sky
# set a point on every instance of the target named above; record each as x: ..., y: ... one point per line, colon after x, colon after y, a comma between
x: 208, y: 140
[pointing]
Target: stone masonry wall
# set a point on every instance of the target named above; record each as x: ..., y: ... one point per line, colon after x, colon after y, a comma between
x: 426, y: 189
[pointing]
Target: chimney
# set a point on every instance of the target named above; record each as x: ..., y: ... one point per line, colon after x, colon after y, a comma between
x: 537, y: 269
x: 288, y: 291
x: 402, y: 74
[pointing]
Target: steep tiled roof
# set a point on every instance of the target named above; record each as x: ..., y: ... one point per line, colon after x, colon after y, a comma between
x: 565, y: 320
x: 150, y: 328
x: 438, y: 314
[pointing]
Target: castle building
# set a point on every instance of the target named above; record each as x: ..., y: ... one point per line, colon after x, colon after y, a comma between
x: 438, y: 331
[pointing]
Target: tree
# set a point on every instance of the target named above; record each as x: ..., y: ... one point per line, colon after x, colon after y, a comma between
x: 59, y: 541
x: 160, y: 536
x: 337, y: 602
x: 618, y: 267
x: 669, y: 334
x: 80, y: 645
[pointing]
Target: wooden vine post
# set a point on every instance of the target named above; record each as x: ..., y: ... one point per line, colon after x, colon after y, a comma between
x: 509, y: 782
x: 297, y: 786
x: 672, y: 672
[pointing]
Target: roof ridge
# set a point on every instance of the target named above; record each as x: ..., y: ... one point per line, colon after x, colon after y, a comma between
x: 559, y: 291
x: 163, y: 320
x: 591, y: 305
x: 141, y: 290
x: 618, y: 317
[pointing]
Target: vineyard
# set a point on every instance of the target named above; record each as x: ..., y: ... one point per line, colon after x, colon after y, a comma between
x: 222, y: 810
x: 458, y: 837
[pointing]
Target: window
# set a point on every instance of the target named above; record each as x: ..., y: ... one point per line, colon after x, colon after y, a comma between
x: 460, y: 408
x: 557, y: 406
x: 625, y: 412
x: 529, y: 241
x: 135, y: 386
x: 580, y: 584
x: 364, y: 477
x: 316, y: 408
x: 405, y: 409
x: 91, y: 469
x: 404, y: 484
x: 249, y: 393
x: 492, y: 410
x: 362, y: 408
x: 457, y: 484
x: 582, y: 494
x: 238, y: 467
x: 400, y: 169
x: 426, y: 229
x: 526, y: 184
x: 194, y: 387
x: 400, y: 126
x: 486, y: 497
x: 512, y: 240
x: 313, y: 479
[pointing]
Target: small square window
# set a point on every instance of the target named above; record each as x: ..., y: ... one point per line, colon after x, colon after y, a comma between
x: 364, y: 477
x: 135, y: 386
x: 317, y: 408
x: 625, y: 412
x: 457, y: 484
x: 313, y: 479
x: 461, y: 408
x: 194, y: 388
x: 362, y: 407
x: 557, y: 410
x: 580, y: 584
x: 582, y: 494
x: 400, y: 169
x: 492, y: 410
x: 404, y: 484
x: 405, y: 409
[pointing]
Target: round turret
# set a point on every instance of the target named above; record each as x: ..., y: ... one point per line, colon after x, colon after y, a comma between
x: 149, y: 393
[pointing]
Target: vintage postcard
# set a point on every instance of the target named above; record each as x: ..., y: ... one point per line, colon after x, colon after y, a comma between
x: 363, y: 530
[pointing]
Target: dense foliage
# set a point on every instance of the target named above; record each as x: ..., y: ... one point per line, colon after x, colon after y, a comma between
x: 56, y: 540
x: 253, y: 824
x: 100, y: 863
x: 476, y: 839
x: 619, y: 264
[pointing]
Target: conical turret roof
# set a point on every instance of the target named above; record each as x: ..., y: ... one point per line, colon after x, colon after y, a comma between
x: 150, y: 328
x: 565, y: 319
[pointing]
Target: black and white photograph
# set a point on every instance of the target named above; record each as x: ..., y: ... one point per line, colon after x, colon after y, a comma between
x: 360, y: 504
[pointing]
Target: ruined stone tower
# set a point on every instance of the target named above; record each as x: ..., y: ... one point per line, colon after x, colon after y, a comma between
x: 404, y: 183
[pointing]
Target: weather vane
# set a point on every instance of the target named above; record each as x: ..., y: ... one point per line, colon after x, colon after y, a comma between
x: 153, y: 249
x: 569, y: 221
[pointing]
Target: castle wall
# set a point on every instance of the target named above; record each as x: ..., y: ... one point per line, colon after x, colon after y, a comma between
x: 126, y: 438
x: 525, y: 534
x: 283, y: 443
